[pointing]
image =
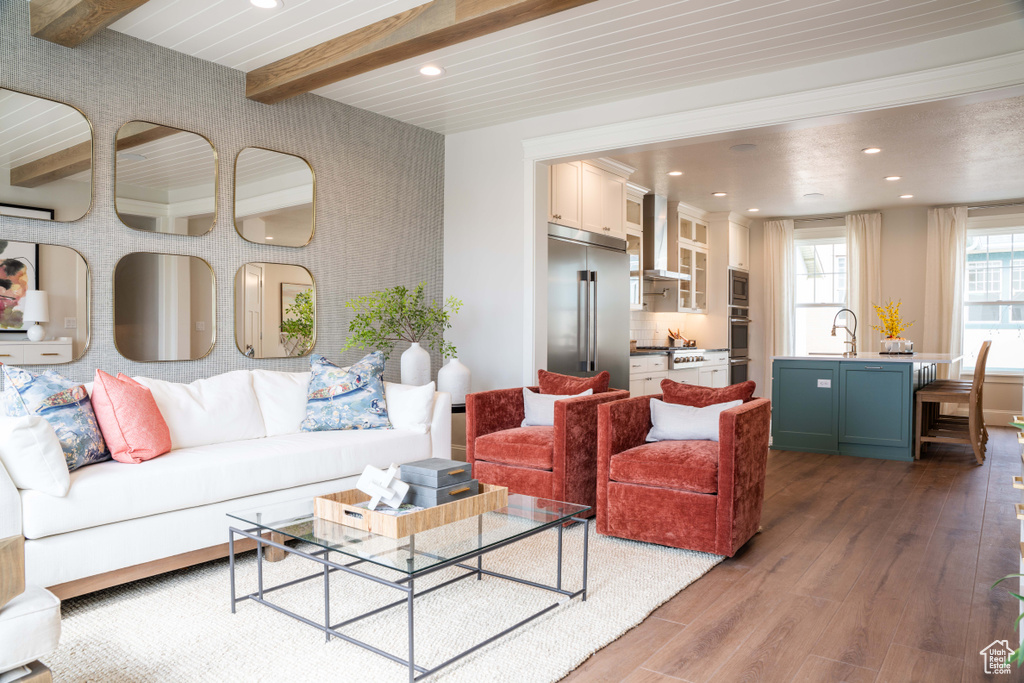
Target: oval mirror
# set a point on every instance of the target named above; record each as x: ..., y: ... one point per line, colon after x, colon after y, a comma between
x: 274, y: 198
x: 275, y: 310
x: 44, y: 304
x: 45, y: 159
x: 165, y: 179
x: 164, y: 307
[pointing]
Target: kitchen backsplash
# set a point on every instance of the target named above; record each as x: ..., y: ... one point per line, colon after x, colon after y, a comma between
x: 651, y: 329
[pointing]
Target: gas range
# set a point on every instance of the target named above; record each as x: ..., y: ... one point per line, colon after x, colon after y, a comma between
x: 681, y: 356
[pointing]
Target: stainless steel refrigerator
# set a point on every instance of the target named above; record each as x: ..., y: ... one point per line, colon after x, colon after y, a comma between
x: 588, y: 304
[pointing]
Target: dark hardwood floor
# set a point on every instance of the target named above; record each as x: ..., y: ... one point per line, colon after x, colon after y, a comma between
x: 865, y: 570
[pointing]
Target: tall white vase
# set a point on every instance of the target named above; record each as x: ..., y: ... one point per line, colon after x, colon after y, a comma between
x: 415, y: 365
x: 454, y: 378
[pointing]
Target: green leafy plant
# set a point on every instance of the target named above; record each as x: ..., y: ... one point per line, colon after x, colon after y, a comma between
x: 1018, y: 655
x: 389, y: 316
x: 298, y: 325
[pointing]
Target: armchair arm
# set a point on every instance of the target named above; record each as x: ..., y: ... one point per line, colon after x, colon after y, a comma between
x: 742, y: 463
x: 575, y: 452
x: 10, y: 506
x: 620, y: 426
x: 492, y: 411
x: 441, y: 426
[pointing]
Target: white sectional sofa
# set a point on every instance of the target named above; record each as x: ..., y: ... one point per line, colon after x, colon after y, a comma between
x: 119, y: 522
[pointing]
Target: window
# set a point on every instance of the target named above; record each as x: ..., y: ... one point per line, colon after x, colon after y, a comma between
x: 820, y: 289
x: 994, y: 293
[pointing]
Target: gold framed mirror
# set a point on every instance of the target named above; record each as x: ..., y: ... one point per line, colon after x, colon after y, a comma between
x: 165, y: 179
x: 165, y: 307
x: 46, y: 158
x: 275, y: 198
x: 44, y: 303
x: 275, y: 310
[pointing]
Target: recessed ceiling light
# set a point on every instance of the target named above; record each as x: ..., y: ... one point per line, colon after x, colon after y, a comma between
x: 814, y: 195
x: 267, y: 4
x: 744, y: 147
x: 871, y: 150
x: 893, y: 177
x: 753, y: 210
x: 431, y: 70
x: 717, y: 194
x: 675, y: 173
x: 269, y: 238
x: 130, y: 156
x: 906, y: 196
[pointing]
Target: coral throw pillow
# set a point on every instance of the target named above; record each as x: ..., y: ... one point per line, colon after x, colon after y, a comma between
x: 553, y: 383
x: 129, y: 418
x: 699, y: 397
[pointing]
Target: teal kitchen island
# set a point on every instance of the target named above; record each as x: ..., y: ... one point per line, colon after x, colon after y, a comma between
x: 862, y: 405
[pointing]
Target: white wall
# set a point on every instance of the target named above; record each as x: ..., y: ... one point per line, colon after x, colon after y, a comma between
x: 485, y: 260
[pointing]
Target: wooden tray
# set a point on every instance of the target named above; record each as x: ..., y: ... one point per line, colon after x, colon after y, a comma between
x: 340, y: 508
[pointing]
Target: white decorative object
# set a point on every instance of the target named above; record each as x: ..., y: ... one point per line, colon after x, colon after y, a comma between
x: 382, y: 486
x: 454, y: 379
x: 37, y: 310
x: 415, y: 365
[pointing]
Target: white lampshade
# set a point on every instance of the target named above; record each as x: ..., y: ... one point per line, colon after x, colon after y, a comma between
x: 37, y: 307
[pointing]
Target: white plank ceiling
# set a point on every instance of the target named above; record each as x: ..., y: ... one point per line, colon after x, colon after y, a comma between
x: 34, y: 128
x: 605, y: 51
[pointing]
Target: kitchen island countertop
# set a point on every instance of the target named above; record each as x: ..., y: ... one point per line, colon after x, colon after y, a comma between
x: 865, y: 357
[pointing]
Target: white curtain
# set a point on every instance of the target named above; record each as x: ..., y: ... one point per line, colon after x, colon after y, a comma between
x: 943, y: 284
x: 779, y: 295
x: 864, y: 274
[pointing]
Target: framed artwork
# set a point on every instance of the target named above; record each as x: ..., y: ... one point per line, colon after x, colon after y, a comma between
x: 26, y: 212
x: 289, y: 291
x: 19, y: 274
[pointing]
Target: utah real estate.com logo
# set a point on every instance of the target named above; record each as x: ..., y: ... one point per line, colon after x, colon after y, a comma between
x: 997, y: 657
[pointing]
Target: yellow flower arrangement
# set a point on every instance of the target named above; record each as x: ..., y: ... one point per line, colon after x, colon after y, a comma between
x: 892, y: 324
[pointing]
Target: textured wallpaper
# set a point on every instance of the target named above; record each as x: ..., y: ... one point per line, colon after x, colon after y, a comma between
x: 380, y: 194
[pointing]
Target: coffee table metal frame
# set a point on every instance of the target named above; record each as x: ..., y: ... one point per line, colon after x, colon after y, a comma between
x: 403, y: 585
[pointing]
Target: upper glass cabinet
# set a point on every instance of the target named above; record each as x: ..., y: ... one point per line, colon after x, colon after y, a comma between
x: 165, y: 180
x: 274, y: 198
x: 45, y: 159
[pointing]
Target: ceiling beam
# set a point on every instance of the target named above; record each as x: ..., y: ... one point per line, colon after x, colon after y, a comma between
x: 77, y: 158
x: 412, y: 33
x: 71, y: 22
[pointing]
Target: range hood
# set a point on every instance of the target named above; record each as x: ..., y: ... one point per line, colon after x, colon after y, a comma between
x: 656, y: 240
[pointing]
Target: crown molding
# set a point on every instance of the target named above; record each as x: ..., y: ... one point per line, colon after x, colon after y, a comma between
x: 638, y: 190
x: 612, y: 166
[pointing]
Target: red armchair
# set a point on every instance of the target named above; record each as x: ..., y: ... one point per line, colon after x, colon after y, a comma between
x: 558, y: 463
x: 699, y: 495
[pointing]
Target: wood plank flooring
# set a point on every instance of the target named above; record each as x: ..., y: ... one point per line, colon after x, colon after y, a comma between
x: 865, y: 571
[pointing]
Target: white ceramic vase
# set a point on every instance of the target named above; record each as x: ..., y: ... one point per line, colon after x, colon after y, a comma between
x: 454, y: 378
x: 416, y: 365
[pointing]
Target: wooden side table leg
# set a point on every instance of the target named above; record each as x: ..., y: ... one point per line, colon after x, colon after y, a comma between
x: 273, y: 554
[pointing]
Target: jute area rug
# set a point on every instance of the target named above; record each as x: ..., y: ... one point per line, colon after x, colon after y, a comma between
x: 179, y: 627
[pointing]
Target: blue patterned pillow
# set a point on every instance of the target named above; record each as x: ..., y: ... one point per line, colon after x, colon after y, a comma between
x: 341, y: 398
x: 62, y: 403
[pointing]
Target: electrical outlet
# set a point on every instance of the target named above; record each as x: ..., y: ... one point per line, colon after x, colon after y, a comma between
x: 824, y: 384
x: 200, y: 326
x: 70, y: 323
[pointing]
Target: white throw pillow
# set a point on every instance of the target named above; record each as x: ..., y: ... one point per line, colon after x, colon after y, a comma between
x: 410, y: 407
x: 32, y: 455
x: 674, y: 422
x: 282, y: 399
x: 208, y: 411
x: 540, y: 408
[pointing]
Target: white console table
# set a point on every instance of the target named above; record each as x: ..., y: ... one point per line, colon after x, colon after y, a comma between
x: 25, y: 352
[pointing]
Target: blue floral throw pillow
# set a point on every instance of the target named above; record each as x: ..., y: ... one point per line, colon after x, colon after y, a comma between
x: 341, y: 398
x: 62, y: 403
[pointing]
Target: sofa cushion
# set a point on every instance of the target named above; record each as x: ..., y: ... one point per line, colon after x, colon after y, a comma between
x: 410, y: 407
x: 674, y: 422
x: 699, y: 397
x: 539, y: 409
x: 282, y: 399
x: 186, y: 478
x: 554, y: 383
x: 130, y: 421
x: 208, y: 411
x: 343, y: 399
x: 32, y: 455
x: 29, y: 627
x: 531, y: 447
x: 683, y: 465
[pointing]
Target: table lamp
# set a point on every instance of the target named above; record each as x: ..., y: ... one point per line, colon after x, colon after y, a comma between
x: 37, y: 310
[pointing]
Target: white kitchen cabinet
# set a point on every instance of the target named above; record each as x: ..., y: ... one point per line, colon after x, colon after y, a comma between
x: 646, y: 373
x: 685, y: 376
x: 714, y: 377
x: 603, y: 203
x: 564, y: 194
x: 739, y: 246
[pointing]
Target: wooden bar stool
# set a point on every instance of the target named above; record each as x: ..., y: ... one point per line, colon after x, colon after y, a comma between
x: 934, y: 427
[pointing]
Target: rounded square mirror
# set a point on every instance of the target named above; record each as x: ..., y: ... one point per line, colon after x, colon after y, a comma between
x: 45, y: 159
x: 164, y: 307
x: 44, y: 304
x: 275, y: 198
x: 165, y: 180
x: 275, y: 310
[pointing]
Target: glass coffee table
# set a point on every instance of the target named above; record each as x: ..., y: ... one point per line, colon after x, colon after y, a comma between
x: 454, y: 545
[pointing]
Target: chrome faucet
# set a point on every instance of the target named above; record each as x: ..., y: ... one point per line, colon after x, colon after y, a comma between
x: 852, y: 341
